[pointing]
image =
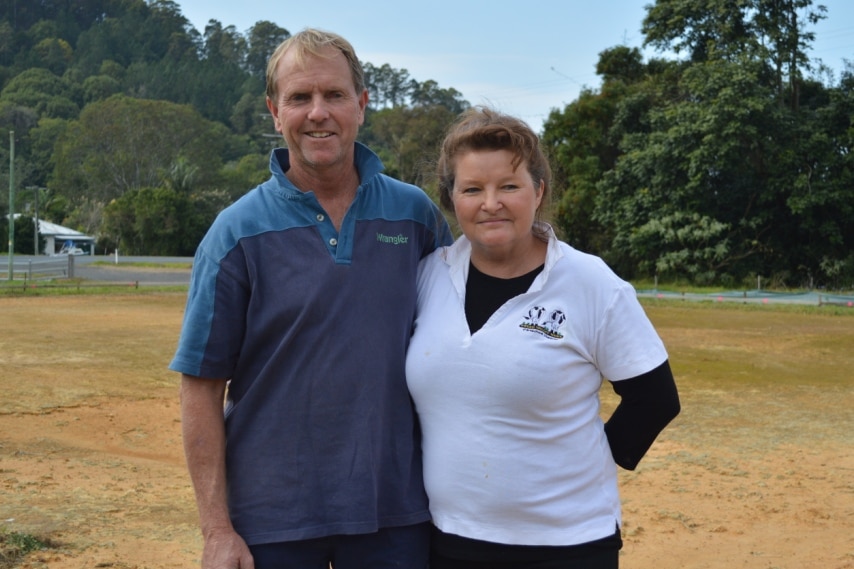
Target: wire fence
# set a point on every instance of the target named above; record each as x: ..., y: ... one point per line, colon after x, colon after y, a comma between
x: 49, y: 272
x: 33, y: 270
x: 811, y: 298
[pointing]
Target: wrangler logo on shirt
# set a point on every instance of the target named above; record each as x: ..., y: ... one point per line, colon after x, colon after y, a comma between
x: 393, y: 239
x: 544, y: 321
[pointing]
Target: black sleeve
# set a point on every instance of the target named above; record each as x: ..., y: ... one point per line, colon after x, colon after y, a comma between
x: 648, y: 403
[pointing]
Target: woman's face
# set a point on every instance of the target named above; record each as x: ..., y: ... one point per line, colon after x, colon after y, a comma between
x: 495, y: 205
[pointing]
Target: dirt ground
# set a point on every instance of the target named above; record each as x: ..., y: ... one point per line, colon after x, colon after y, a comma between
x: 757, y: 472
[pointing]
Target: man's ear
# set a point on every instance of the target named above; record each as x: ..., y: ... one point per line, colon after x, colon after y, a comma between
x: 274, y: 110
x: 363, y: 104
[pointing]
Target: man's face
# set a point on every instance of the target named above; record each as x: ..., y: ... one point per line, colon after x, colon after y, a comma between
x: 318, y: 111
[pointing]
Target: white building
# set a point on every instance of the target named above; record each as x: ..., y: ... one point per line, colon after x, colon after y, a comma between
x: 57, y: 237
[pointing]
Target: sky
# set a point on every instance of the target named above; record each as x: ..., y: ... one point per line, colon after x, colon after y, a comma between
x: 524, y: 57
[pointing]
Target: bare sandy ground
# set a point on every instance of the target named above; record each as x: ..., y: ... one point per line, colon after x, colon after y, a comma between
x: 755, y: 473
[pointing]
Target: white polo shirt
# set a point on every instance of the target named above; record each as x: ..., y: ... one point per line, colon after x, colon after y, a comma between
x: 513, y: 446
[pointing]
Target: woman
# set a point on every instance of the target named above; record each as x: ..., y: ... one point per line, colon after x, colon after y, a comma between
x: 514, y: 333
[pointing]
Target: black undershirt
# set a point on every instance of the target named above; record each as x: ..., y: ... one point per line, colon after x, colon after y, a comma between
x: 486, y: 294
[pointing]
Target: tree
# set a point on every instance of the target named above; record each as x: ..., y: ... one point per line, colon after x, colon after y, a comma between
x: 717, y: 167
x: 264, y: 38
x: 40, y: 144
x: 785, y: 42
x: 820, y: 188
x: 112, y: 39
x: 100, y: 87
x: 44, y: 92
x: 429, y: 94
x: 224, y: 45
x: 704, y: 29
x: 159, y: 221
x: 580, y: 150
x: 250, y: 116
x: 621, y: 63
x: 387, y: 86
x: 771, y: 31
x: 238, y: 177
x: 408, y: 139
x: 122, y: 143
x: 24, y: 234
x: 691, y: 195
x: 583, y: 140
x: 54, y: 54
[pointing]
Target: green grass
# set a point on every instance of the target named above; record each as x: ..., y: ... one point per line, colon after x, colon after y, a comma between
x: 68, y: 287
x: 14, y: 546
x: 711, y: 304
x: 687, y: 287
x: 143, y: 265
x: 646, y: 284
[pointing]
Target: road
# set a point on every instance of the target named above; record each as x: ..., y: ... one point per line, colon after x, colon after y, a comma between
x: 125, y: 271
x: 109, y: 269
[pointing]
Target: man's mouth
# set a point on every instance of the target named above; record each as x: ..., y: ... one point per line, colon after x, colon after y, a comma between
x: 319, y: 134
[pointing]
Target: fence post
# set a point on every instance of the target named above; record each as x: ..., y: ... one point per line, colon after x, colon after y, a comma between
x: 70, y: 266
x: 30, y: 269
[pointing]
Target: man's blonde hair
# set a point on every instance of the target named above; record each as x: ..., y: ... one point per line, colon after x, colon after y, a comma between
x: 311, y: 41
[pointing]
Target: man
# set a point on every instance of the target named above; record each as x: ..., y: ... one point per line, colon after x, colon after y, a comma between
x: 298, y: 317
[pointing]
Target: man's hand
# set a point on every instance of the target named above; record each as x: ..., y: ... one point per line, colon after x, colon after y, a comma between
x: 225, y: 549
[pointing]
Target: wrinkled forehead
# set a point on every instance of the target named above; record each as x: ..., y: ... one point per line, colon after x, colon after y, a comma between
x: 301, y: 59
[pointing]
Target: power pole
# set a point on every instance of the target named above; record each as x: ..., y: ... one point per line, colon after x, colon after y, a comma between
x: 35, y: 190
x: 11, y: 204
x: 36, y: 225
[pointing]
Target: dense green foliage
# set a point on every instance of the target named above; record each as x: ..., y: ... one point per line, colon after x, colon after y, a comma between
x: 136, y: 128
x: 731, y: 162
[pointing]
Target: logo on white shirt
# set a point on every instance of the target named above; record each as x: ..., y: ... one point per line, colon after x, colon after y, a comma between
x: 544, y: 321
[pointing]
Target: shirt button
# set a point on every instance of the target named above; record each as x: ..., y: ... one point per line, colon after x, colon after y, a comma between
x: 333, y: 242
x: 320, y: 217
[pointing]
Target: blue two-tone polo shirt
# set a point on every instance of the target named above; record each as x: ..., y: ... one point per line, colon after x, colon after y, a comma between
x: 311, y: 326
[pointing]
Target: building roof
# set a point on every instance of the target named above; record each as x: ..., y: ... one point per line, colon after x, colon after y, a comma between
x: 47, y: 228
x: 58, y: 232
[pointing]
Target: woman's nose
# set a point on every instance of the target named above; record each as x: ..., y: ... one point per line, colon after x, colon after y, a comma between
x: 491, y: 201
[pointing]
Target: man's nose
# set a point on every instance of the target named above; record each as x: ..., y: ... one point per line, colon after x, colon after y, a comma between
x: 319, y: 110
